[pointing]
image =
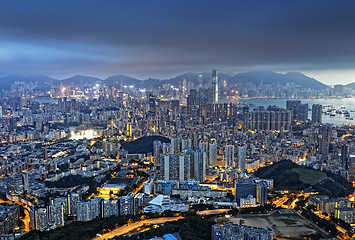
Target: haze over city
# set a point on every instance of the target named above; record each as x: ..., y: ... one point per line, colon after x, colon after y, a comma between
x: 161, y: 39
x: 177, y: 120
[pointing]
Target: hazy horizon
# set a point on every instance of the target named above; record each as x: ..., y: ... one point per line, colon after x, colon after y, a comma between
x: 161, y: 39
x: 167, y: 77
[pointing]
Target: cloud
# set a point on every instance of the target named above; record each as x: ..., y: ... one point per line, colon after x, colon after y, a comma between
x: 163, y: 37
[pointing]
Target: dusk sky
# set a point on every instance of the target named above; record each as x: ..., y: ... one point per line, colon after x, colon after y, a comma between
x: 160, y: 39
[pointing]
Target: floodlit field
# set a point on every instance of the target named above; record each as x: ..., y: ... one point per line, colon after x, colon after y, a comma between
x: 285, y: 225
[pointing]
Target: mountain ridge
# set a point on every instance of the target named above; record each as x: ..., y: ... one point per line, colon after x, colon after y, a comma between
x: 255, y: 77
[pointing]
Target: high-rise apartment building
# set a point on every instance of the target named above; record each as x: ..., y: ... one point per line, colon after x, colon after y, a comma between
x: 138, y: 203
x: 199, y: 165
x: 126, y: 205
x: 84, y: 211
x: 271, y: 119
x: 176, y: 167
x: 62, y: 201
x: 212, y: 154
x: 345, y: 155
x: 110, y: 207
x: 317, y: 113
x: 214, y: 86
x: 229, y: 156
x: 242, y: 158
x: 299, y: 110
x: 157, y: 147
x: 73, y: 199
x: 56, y: 215
x: 20, y: 183
x: 175, y: 145
x: 38, y: 218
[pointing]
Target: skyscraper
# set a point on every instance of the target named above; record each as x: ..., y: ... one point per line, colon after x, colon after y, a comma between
x: 175, y: 144
x: 38, y: 218
x: 156, y: 152
x: 56, y: 215
x: 73, y: 199
x: 62, y: 201
x: 20, y: 183
x: 325, y: 139
x: 345, y: 155
x: 229, y: 156
x: 186, y: 143
x: 138, y: 203
x: 110, y: 207
x: 317, y: 113
x: 200, y: 165
x: 84, y: 211
x: 175, y: 167
x: 197, y: 164
x: 213, y: 154
x: 214, y: 86
x: 200, y: 81
x: 271, y: 119
x: 299, y: 110
x: 242, y: 158
x: 126, y: 205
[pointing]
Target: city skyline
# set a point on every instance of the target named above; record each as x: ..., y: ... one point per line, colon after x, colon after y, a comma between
x: 177, y: 120
x: 161, y: 39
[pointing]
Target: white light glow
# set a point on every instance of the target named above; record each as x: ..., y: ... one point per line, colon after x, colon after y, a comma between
x: 83, y: 134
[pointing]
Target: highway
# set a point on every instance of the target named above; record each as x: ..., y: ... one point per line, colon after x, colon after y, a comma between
x: 281, y: 201
x: 213, y: 211
x: 130, y: 227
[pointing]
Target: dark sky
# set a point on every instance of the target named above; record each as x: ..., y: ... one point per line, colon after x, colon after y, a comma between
x: 154, y: 38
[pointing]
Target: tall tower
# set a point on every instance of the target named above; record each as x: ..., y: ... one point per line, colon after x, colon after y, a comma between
x: 213, y: 154
x: 317, y: 113
x: 345, y: 155
x: 200, y: 165
x: 214, y: 86
x: 157, y: 146
x: 200, y: 81
x: 242, y: 158
x: 229, y: 156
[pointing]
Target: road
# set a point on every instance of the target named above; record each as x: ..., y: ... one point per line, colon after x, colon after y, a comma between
x: 213, y: 211
x: 25, y: 219
x: 280, y: 202
x: 130, y: 227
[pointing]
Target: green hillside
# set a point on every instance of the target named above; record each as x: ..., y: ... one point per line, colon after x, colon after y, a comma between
x: 290, y: 176
x: 143, y: 144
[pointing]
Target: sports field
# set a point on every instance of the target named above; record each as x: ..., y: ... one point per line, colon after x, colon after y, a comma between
x: 285, y: 224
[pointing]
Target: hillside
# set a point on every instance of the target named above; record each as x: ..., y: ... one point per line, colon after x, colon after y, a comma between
x: 143, y: 144
x: 40, y: 80
x: 81, y: 80
x: 351, y: 85
x: 118, y: 80
x: 256, y: 77
x: 269, y: 77
x: 290, y: 176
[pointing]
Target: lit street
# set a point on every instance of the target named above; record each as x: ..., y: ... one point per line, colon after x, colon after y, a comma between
x: 130, y: 227
x: 213, y: 211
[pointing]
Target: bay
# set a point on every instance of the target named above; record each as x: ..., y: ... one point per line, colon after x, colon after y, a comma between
x: 337, y: 103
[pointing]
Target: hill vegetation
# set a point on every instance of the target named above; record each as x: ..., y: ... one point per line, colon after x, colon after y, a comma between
x: 290, y: 176
x: 143, y: 145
